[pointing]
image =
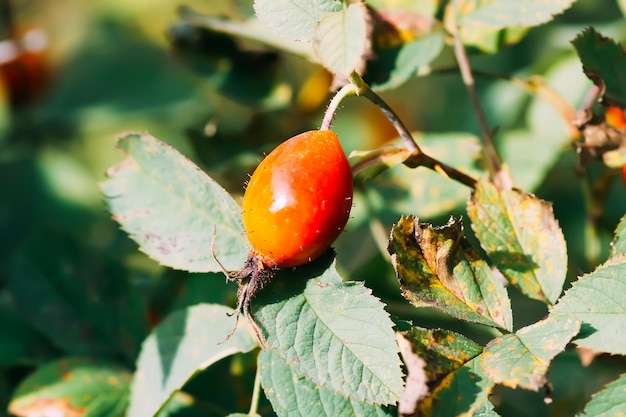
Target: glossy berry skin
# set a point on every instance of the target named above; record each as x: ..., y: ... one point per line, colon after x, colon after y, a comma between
x: 298, y: 200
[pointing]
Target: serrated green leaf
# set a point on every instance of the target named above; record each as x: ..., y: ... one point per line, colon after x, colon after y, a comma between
x: 498, y: 14
x: 618, y: 246
x: 444, y: 351
x: 597, y: 300
x: 422, y: 192
x: 342, y: 40
x: 172, y: 209
x: 251, y: 29
x: 523, y: 239
x: 609, y: 402
x: 522, y: 358
x: 293, y: 395
x: 186, y: 342
x: 438, y: 268
x: 295, y: 19
x: 486, y: 410
x: 333, y: 333
x: 604, y: 63
x: 460, y: 393
x: 73, y: 387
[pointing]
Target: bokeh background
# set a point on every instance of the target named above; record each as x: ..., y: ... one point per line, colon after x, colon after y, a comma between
x: 72, y: 283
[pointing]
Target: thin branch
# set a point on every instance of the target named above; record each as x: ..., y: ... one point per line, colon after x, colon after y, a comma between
x: 417, y: 156
x: 494, y: 164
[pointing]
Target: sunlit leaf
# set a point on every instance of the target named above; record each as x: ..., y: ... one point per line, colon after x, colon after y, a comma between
x: 522, y: 237
x: 596, y: 300
x: 295, y: 19
x: 521, y: 359
x: 437, y: 267
x: 498, y: 14
x: 186, y: 342
x: 618, y: 246
x: 293, y: 395
x: 611, y: 401
x: 252, y: 29
x: 73, y: 387
x: 342, y: 40
x: 335, y: 334
x: 486, y: 410
x: 175, y: 212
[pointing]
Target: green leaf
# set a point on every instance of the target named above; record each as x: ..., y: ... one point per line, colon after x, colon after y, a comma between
x: 295, y: 19
x: 460, y: 393
x: 186, y: 342
x: 422, y: 192
x: 293, y: 395
x: 486, y: 410
x: 498, y: 14
x: 404, y: 42
x: 73, y: 387
x: 342, y: 40
x: 522, y: 358
x: 172, y: 209
x: 437, y: 267
x: 618, y: 246
x: 252, y: 29
x: 604, y: 62
x: 611, y: 401
x: 521, y: 236
x: 335, y: 334
x: 596, y: 299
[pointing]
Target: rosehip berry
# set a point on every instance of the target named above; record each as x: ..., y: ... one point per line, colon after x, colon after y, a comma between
x: 296, y: 204
x: 298, y: 200
x: 615, y: 117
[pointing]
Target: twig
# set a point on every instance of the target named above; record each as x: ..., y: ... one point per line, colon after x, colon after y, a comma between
x: 417, y: 156
x: 500, y: 176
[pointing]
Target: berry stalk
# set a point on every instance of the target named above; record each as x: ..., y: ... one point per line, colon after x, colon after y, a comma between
x: 417, y: 156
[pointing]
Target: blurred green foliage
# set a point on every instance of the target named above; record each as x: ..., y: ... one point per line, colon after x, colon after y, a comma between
x: 72, y: 284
